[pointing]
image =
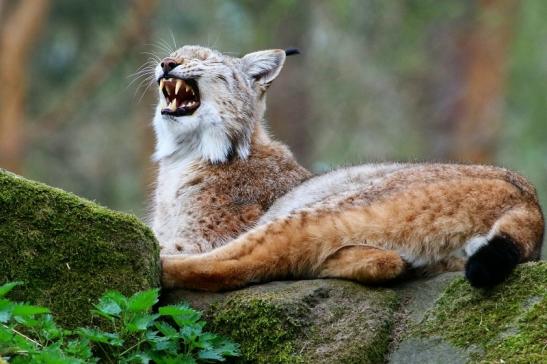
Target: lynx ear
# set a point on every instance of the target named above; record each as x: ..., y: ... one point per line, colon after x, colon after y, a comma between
x: 263, y: 66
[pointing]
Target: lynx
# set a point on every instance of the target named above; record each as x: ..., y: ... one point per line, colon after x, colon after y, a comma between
x: 232, y: 207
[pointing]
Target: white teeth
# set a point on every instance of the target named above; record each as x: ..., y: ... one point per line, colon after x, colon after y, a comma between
x: 173, y: 105
x: 162, y: 82
x: 187, y: 88
x: 177, y: 87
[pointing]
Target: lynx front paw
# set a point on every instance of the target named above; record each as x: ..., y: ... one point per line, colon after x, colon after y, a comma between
x: 167, y: 269
x: 172, y: 267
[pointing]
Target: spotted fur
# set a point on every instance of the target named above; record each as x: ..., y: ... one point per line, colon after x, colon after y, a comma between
x: 219, y: 170
x: 256, y: 216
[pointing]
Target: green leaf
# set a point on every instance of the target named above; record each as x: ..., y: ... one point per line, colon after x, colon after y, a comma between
x: 6, y: 288
x: 54, y: 355
x: 177, y: 310
x: 100, y: 336
x: 161, y: 343
x: 177, y: 359
x: 28, y: 310
x: 151, y: 335
x: 143, y: 301
x: 108, y: 307
x: 167, y: 329
x: 79, y: 348
x: 142, y: 358
x: 75, y: 347
x: 28, y: 321
x: 181, y: 314
x: 226, y: 347
x: 48, y: 328
x: 5, y: 310
x: 166, y: 345
x: 116, y: 297
x: 141, y: 322
x: 5, y: 335
x: 207, y: 340
x: 190, y: 334
x: 210, y: 355
x: 8, y: 338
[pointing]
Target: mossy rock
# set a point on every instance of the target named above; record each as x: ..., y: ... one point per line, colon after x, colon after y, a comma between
x: 68, y: 250
x: 505, y: 324
x: 314, y: 321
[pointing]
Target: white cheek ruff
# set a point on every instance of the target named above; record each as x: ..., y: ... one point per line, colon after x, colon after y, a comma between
x: 215, y: 144
x: 202, y: 133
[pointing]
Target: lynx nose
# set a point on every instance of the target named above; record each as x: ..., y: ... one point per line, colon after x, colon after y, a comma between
x: 167, y: 64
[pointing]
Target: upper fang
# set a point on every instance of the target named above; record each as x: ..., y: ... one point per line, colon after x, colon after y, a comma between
x: 177, y: 87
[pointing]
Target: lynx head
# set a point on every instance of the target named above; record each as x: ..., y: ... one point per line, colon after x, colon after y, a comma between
x: 209, y: 103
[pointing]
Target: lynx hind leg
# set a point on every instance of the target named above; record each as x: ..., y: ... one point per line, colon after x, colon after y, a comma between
x: 363, y: 263
x: 515, y: 237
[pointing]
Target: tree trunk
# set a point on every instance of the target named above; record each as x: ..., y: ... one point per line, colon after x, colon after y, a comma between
x: 17, y: 36
x: 480, y: 113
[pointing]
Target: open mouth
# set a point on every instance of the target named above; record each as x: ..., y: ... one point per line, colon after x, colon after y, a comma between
x: 181, y: 96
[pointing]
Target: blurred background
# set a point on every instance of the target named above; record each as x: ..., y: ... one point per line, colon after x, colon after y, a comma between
x: 453, y: 80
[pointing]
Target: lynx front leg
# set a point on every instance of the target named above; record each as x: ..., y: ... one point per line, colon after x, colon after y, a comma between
x: 279, y: 249
x: 363, y: 263
x: 294, y: 246
x: 206, y: 273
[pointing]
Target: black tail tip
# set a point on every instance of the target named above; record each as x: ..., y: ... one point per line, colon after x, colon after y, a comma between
x: 292, y: 51
x: 492, y: 263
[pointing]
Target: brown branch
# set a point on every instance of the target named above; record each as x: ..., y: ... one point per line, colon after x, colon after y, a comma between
x: 19, y: 32
x: 101, y: 68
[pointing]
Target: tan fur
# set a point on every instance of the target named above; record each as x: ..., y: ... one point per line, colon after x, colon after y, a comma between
x: 368, y: 223
x: 219, y: 171
x: 426, y: 211
x: 217, y: 202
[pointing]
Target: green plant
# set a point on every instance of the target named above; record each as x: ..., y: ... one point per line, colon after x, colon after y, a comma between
x: 28, y: 334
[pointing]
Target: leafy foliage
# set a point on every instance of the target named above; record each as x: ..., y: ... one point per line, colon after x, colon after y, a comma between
x: 137, y: 335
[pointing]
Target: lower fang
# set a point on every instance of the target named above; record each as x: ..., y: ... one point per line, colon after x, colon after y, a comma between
x: 173, y: 105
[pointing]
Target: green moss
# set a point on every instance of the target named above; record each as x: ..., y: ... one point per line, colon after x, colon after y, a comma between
x: 528, y: 345
x: 508, y: 322
x: 264, y: 328
x: 369, y: 326
x: 69, y: 250
x: 317, y: 321
x: 375, y: 350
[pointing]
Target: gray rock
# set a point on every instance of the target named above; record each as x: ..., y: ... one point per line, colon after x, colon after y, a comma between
x: 420, y: 295
x: 69, y: 250
x: 448, y: 321
x: 427, y: 351
x: 315, y: 321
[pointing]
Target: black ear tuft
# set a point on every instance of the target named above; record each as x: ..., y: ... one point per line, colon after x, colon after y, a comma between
x: 492, y: 263
x: 291, y: 51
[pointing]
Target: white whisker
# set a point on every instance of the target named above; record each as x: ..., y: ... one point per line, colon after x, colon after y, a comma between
x: 173, y: 39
